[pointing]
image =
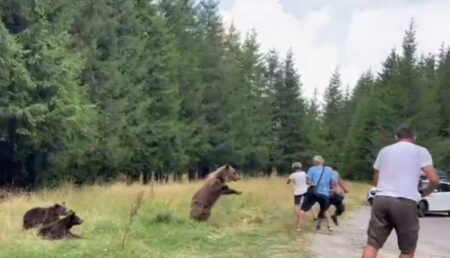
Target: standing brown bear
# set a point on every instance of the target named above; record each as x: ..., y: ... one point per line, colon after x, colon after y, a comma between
x: 40, y: 215
x: 61, y: 228
x: 214, y: 187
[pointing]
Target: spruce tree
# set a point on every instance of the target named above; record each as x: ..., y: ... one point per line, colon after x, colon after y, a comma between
x: 334, y: 131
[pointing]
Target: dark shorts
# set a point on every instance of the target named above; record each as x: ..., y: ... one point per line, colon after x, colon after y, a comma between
x: 338, y: 202
x: 394, y: 213
x: 298, y: 199
x: 311, y: 199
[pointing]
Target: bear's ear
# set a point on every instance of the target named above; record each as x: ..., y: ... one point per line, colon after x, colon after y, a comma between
x: 227, y: 166
x: 56, y: 205
x: 63, y: 203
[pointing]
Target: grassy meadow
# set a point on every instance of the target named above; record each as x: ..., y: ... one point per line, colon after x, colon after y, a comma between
x: 258, y: 223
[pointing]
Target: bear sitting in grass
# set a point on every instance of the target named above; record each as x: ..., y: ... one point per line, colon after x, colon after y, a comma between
x: 61, y: 228
x: 40, y: 215
x: 214, y: 187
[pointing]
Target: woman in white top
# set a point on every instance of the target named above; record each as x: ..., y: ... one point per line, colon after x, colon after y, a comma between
x: 298, y: 177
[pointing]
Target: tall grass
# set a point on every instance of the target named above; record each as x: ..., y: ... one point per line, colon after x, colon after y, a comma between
x: 258, y: 223
x: 133, y: 212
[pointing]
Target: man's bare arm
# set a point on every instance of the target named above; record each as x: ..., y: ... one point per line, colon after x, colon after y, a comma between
x: 288, y: 181
x: 334, y: 184
x: 375, y: 177
x: 342, y: 185
x: 433, y: 177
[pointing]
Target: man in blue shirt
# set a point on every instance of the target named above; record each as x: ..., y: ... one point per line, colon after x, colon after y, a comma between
x: 322, y: 177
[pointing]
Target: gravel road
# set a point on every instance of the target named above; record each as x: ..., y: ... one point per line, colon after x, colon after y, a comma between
x: 349, y: 238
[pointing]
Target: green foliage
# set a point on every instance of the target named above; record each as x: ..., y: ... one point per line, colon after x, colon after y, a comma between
x: 406, y: 91
x: 92, y: 90
x: 288, y: 116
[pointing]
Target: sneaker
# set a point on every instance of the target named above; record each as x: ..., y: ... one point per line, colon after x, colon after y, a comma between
x: 335, y: 219
x: 318, y: 226
x: 330, y: 228
x: 298, y: 229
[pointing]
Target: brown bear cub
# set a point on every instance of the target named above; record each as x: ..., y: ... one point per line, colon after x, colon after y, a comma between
x: 214, y: 187
x: 61, y: 228
x: 39, y: 215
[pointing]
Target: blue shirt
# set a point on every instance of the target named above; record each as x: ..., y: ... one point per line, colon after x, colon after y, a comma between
x: 328, y: 177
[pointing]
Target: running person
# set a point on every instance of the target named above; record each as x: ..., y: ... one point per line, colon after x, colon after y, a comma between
x: 298, y: 177
x: 321, y: 178
x: 337, y: 196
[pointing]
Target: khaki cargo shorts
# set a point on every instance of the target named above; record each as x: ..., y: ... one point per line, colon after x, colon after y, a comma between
x: 394, y: 213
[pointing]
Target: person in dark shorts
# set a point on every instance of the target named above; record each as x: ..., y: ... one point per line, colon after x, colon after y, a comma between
x: 398, y: 169
x: 322, y: 178
x: 298, y: 177
x: 337, y: 197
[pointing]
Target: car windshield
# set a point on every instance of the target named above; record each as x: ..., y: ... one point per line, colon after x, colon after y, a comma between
x: 444, y: 187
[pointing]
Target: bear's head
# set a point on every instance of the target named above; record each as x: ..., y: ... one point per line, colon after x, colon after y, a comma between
x: 74, y: 219
x: 228, y: 173
x: 60, y: 209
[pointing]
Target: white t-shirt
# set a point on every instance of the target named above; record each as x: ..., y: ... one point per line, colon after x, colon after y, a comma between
x: 299, y: 179
x: 400, y: 166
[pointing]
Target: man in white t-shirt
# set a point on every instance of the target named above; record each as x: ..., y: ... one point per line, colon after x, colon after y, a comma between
x: 298, y: 177
x: 398, y: 168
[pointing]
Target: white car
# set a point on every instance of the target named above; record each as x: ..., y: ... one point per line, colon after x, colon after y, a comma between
x: 438, y: 201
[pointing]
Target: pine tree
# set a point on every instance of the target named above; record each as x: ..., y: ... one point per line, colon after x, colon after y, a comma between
x: 314, y: 129
x: 55, y: 129
x: 439, y: 147
x: 334, y: 131
x: 217, y: 108
x: 274, y: 78
x: 256, y: 118
x: 17, y: 90
x: 289, y: 116
x: 180, y: 18
x: 408, y: 76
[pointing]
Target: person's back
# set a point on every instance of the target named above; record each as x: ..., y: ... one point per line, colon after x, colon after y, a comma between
x: 397, y: 173
x: 298, y: 177
x: 321, y: 177
x: 299, y: 180
x: 400, y: 167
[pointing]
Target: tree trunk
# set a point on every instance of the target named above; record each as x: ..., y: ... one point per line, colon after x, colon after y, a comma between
x: 192, y: 173
x: 146, y: 177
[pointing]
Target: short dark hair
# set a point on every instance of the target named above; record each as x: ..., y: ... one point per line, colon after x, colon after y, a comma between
x: 405, y: 132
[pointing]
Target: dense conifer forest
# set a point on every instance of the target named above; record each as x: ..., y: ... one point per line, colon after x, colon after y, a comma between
x: 97, y: 89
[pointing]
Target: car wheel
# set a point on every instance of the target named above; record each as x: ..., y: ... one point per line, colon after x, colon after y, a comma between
x: 370, y: 201
x: 422, y: 208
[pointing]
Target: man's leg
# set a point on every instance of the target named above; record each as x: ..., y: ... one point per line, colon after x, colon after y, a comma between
x: 340, y: 209
x: 298, y: 216
x: 313, y: 214
x: 370, y: 252
x: 335, y: 202
x: 319, y: 222
x: 338, y: 202
x: 404, y: 215
x: 380, y: 226
x: 328, y: 217
x: 297, y: 203
x: 308, y: 202
x: 324, y: 204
